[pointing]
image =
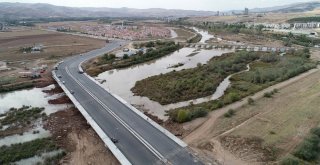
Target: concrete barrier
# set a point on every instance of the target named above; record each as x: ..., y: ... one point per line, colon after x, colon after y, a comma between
x: 107, y: 141
x: 143, y: 116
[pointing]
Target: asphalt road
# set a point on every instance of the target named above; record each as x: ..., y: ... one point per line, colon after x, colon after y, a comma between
x: 139, y: 141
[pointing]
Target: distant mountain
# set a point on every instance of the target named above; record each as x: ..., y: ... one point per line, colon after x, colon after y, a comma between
x: 40, y: 10
x: 296, y: 7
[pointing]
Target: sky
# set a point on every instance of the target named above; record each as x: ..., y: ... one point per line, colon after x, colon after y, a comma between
x: 210, y: 5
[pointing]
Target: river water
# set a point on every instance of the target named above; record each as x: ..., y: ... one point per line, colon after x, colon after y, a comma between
x: 120, y: 81
x: 205, y: 35
x: 30, y: 97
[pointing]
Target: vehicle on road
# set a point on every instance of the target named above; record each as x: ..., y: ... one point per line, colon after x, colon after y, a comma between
x: 114, y: 140
x: 72, y: 92
x: 59, y: 76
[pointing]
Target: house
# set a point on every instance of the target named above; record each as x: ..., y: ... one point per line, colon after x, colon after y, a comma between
x: 36, y: 48
x: 3, y: 66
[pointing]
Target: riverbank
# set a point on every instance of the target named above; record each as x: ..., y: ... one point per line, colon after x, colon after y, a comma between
x: 202, y: 81
x: 148, y: 51
x: 59, y: 124
x: 268, y: 70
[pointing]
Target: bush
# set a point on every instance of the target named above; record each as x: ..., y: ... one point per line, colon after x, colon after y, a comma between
x: 309, y: 149
x: 316, y: 131
x: 125, y: 56
x: 199, y: 112
x: 183, y: 116
x: 229, y: 114
x: 267, y: 94
x: 291, y: 161
x: 250, y: 101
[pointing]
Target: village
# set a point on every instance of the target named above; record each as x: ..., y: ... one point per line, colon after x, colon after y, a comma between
x: 120, y: 30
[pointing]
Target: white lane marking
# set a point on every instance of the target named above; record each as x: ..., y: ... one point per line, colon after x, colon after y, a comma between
x: 133, y: 132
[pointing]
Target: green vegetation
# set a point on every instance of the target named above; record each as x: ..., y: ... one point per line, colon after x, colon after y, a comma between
x: 22, y: 116
x: 229, y: 114
x: 250, y: 101
x: 154, y: 50
x: 304, y: 19
x: 290, y: 160
x: 195, y: 82
x: 184, y: 115
x: 13, y: 87
x: 52, y: 160
x: 7, y: 80
x: 270, y: 94
x: 307, y: 151
x: 16, y: 152
x: 263, y: 73
x: 176, y: 65
x: 303, y: 40
x: 231, y: 28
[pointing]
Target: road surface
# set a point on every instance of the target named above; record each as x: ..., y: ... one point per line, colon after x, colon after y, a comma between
x: 139, y: 141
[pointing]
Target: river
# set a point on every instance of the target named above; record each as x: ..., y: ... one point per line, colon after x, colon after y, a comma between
x: 120, y: 81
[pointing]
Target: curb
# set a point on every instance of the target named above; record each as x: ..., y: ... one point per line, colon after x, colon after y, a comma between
x: 113, y: 148
x: 143, y: 116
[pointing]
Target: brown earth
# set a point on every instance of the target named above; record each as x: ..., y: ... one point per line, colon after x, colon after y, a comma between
x: 83, y: 146
x: 55, y: 45
x: 173, y: 127
x: 206, y: 132
x: 61, y: 100
x: 55, y: 90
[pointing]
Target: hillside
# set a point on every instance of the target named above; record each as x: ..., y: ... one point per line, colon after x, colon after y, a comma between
x: 40, y: 10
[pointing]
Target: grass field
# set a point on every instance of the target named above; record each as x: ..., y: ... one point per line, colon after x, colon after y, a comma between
x: 263, y: 73
x: 281, y: 121
x: 183, y: 34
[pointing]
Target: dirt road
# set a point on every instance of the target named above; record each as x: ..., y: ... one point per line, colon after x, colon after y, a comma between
x: 205, y: 133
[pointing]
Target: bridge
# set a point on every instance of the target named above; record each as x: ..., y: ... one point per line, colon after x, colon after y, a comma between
x: 131, y: 136
x: 255, y: 48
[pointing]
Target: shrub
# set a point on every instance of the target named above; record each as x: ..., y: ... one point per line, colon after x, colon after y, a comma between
x: 272, y: 132
x: 229, y: 114
x: 199, y: 112
x: 316, y: 131
x: 275, y: 91
x: 267, y: 95
x: 183, y: 116
x: 125, y: 56
x: 309, y: 149
x: 291, y: 161
x: 250, y: 101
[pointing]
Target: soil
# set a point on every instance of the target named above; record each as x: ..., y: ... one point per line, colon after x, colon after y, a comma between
x: 55, y: 90
x: 71, y: 132
x: 204, y: 130
x: 61, y: 100
x: 250, y: 149
x: 173, y: 127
